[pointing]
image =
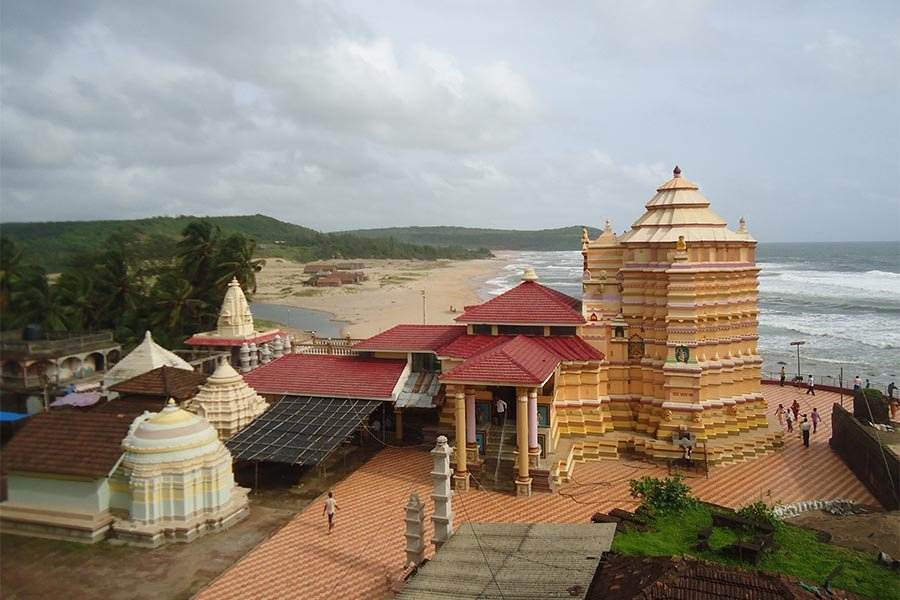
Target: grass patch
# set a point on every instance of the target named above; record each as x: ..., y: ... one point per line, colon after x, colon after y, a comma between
x: 308, y: 293
x: 264, y: 324
x: 798, y: 554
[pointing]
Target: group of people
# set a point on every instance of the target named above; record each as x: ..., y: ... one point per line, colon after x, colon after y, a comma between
x: 810, y: 382
x: 808, y: 423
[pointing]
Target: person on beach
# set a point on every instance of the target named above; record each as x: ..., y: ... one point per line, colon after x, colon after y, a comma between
x: 500, y: 406
x: 857, y: 384
x: 795, y: 407
x: 779, y: 412
x: 816, y: 418
x: 868, y: 385
x: 805, y: 426
x: 783, y: 376
x: 789, y: 415
x: 891, y: 389
x: 810, y: 386
x: 329, y: 509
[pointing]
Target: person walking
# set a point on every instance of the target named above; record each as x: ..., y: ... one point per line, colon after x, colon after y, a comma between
x: 329, y: 509
x: 795, y: 407
x: 816, y: 418
x: 500, y: 408
x: 783, y: 376
x: 810, y: 386
x: 789, y: 415
x: 857, y: 384
x: 805, y: 426
x: 868, y: 385
x: 779, y: 412
x: 891, y: 389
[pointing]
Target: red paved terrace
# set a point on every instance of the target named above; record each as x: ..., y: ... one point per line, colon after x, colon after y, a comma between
x: 529, y: 303
x: 367, y: 546
x: 321, y: 375
x: 413, y: 338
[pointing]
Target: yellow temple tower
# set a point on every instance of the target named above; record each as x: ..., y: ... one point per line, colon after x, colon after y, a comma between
x: 673, y: 304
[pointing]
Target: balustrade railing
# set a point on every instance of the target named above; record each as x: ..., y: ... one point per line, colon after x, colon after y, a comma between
x: 328, y: 346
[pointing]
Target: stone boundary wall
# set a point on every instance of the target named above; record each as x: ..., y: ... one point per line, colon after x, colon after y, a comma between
x: 838, y: 507
x: 859, y: 447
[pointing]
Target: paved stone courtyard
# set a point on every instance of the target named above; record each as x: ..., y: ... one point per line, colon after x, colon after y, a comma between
x: 366, y: 549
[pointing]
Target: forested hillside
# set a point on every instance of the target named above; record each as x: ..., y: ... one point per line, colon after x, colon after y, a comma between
x: 563, y: 238
x: 54, y: 244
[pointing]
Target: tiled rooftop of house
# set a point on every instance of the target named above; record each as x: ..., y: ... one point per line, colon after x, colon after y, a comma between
x: 163, y: 381
x: 69, y: 442
x: 322, y: 375
x: 367, y: 545
x: 529, y: 303
x: 413, y: 338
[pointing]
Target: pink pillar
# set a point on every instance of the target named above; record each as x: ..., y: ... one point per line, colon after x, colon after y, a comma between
x: 470, y: 417
x: 532, y: 419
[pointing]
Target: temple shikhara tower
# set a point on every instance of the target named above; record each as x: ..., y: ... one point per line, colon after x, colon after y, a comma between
x: 673, y: 305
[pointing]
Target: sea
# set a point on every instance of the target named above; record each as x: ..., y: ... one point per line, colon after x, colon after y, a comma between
x: 841, y: 299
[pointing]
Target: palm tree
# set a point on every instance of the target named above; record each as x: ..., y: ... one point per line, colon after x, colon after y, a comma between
x: 117, y: 287
x: 177, y: 306
x: 236, y: 260
x: 197, y: 252
x: 76, y: 293
x: 10, y: 259
x: 34, y: 301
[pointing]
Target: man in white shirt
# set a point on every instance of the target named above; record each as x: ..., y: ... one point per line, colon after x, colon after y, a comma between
x: 330, y: 508
x: 810, y: 386
x: 500, y: 407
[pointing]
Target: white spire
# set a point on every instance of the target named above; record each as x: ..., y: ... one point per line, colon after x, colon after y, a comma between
x: 235, y: 318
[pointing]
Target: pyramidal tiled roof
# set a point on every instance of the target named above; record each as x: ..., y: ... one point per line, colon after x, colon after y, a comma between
x: 679, y: 209
x: 521, y: 360
x: 413, y: 338
x: 146, y: 357
x: 529, y: 303
x: 170, y: 382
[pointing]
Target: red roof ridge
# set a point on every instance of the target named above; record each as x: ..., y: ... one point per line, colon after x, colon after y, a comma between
x: 527, y: 303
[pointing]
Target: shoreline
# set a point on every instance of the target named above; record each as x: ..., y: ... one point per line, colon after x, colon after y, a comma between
x: 392, y: 295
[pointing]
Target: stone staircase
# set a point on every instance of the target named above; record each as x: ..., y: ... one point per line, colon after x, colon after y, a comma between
x: 498, y: 468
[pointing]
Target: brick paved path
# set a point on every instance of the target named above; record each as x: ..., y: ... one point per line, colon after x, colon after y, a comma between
x: 303, y: 561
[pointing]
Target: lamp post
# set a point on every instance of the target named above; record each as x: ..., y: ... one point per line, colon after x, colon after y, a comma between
x: 799, y: 372
x: 423, y: 306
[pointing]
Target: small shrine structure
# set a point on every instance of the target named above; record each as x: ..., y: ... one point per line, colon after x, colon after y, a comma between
x: 147, y: 356
x: 227, y: 402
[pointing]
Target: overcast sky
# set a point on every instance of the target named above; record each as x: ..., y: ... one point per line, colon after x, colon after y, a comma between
x: 508, y: 114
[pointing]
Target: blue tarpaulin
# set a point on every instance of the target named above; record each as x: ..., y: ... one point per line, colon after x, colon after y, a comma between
x: 11, y: 416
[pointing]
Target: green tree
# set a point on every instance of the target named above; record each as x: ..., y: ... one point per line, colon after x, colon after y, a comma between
x: 177, y: 308
x: 76, y: 293
x: 197, y: 252
x: 10, y: 263
x: 34, y: 301
x: 235, y: 259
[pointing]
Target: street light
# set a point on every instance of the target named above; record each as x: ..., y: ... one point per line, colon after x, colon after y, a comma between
x: 799, y: 372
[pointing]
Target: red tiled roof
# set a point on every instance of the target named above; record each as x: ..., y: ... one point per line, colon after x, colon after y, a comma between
x: 413, y: 338
x: 200, y: 340
x: 132, y: 404
x: 322, y: 375
x: 520, y: 360
x: 569, y: 347
x: 467, y: 346
x: 69, y: 443
x: 180, y: 384
x: 529, y: 303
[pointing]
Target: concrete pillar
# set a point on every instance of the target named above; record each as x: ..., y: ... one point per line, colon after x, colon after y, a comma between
x: 245, y: 358
x: 440, y: 475
x: 277, y: 347
x: 523, y: 481
x: 415, y: 530
x: 265, y: 356
x: 288, y: 344
x: 254, y: 356
x: 398, y: 425
x: 461, y: 479
x: 532, y: 419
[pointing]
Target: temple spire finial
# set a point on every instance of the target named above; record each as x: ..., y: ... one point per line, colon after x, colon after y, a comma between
x: 608, y: 227
x: 529, y: 275
x: 677, y: 171
x: 743, y: 225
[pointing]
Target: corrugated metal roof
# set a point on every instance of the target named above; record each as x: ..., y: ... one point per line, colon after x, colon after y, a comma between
x: 513, y: 560
x: 419, y: 391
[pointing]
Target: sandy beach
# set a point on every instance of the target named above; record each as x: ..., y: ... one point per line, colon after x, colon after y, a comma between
x: 391, y: 295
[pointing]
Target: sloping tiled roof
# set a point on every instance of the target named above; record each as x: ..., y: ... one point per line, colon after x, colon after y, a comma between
x: 322, y: 375
x: 69, y: 443
x: 467, y: 346
x: 621, y: 577
x: 163, y: 381
x: 520, y: 360
x: 529, y: 303
x: 569, y: 347
x: 133, y: 404
x: 413, y: 338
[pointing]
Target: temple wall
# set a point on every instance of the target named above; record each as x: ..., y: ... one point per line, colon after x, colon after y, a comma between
x: 75, y: 495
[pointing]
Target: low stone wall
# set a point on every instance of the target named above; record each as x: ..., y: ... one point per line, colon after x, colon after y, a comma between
x: 838, y: 507
x: 859, y: 447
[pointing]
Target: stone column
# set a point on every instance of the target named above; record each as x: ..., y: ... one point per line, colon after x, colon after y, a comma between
x: 288, y: 343
x: 245, y: 358
x: 415, y: 530
x: 534, y: 450
x: 398, y: 424
x: 277, y: 347
x: 440, y: 475
x: 265, y: 357
x: 471, y: 444
x: 461, y: 479
x: 523, y: 481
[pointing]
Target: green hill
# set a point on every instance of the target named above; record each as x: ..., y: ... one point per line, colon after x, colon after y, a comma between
x: 54, y: 244
x: 563, y: 238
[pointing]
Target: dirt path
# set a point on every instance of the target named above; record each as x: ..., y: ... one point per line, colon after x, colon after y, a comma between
x: 872, y: 532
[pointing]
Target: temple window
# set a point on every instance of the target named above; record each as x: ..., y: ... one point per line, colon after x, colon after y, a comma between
x: 423, y: 362
x: 521, y: 330
x: 562, y: 331
x: 481, y: 329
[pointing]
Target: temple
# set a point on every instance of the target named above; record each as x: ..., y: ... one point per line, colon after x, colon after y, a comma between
x: 236, y: 334
x: 227, y: 402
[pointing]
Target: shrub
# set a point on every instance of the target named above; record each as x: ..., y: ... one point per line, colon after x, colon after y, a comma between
x: 662, y: 496
x: 758, y: 512
x: 870, y: 405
